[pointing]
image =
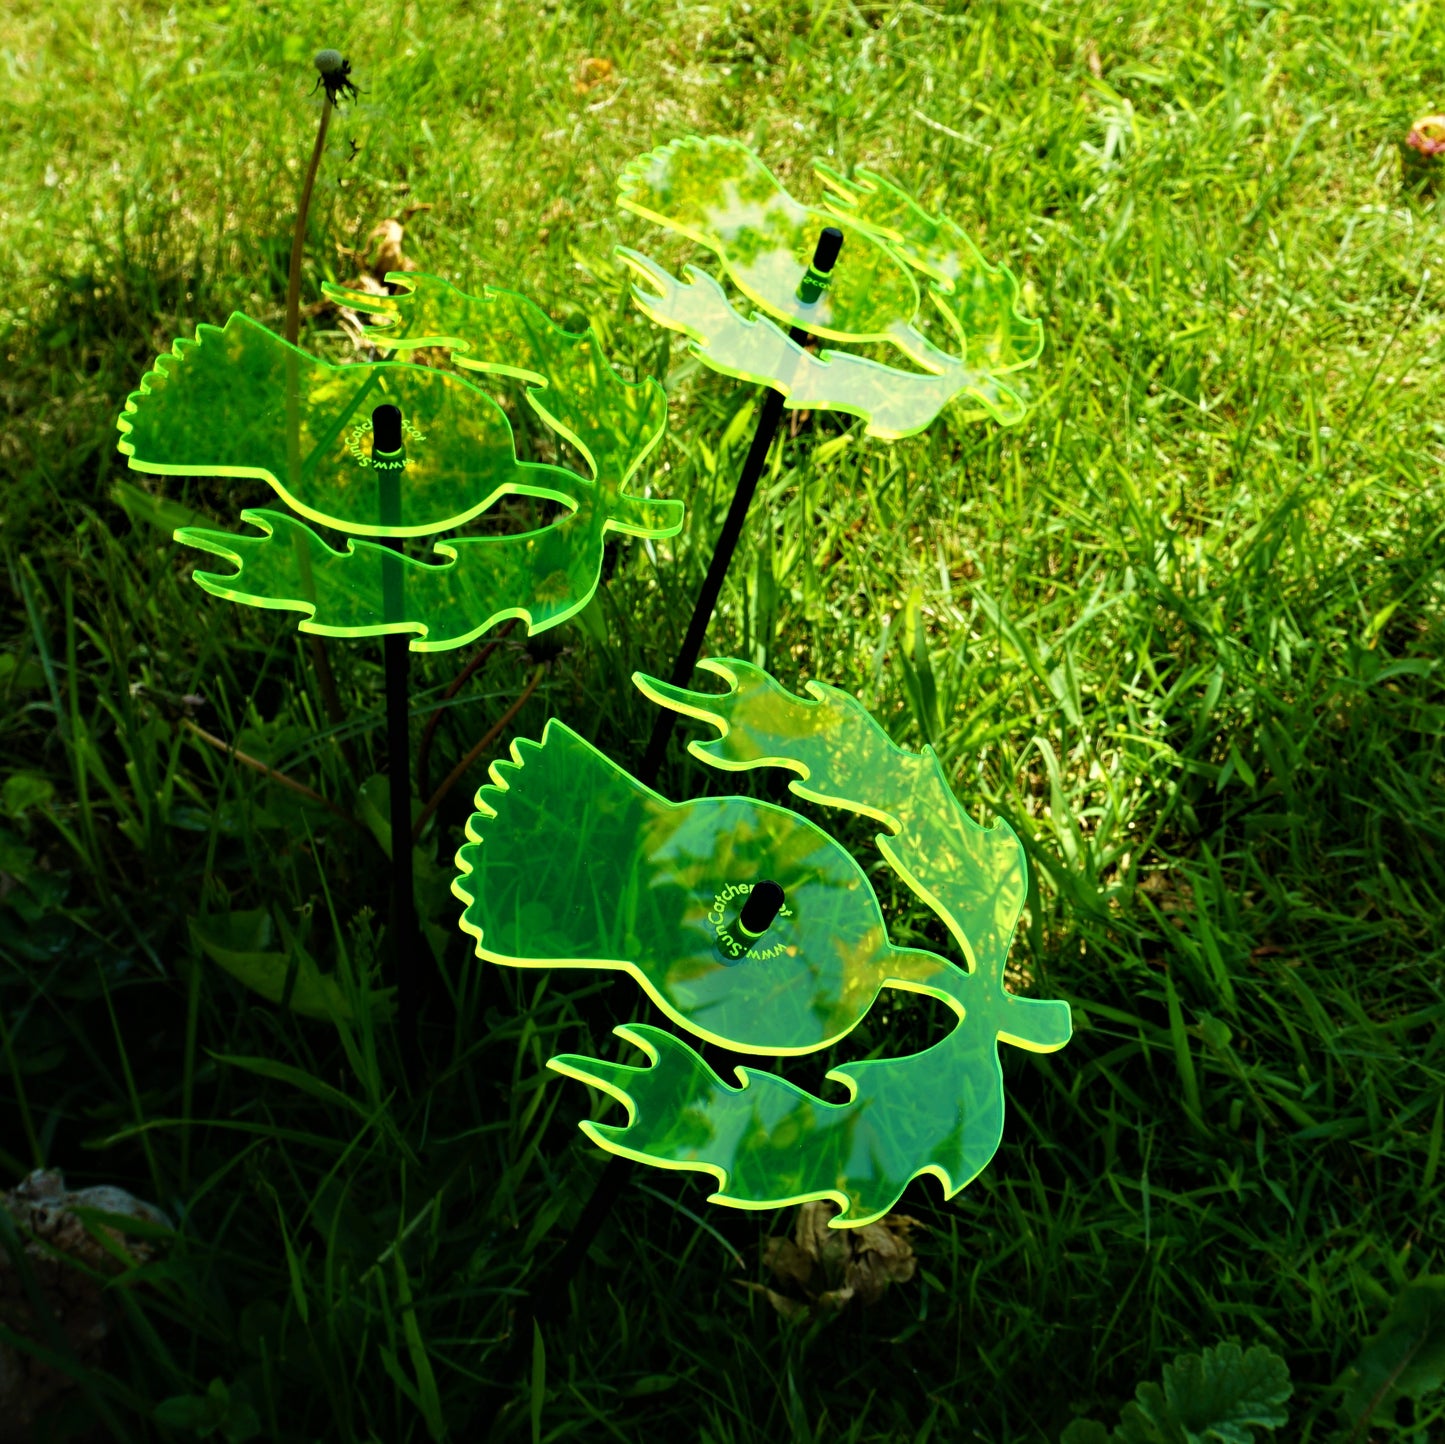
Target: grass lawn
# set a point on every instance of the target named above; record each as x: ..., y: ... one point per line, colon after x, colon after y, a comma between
x: 1181, y: 628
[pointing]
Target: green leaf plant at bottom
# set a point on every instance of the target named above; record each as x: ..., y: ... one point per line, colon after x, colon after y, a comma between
x: 1220, y: 1398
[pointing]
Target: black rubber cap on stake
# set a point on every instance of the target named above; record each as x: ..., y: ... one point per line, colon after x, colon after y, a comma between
x: 386, y: 430
x: 764, y: 903
x: 826, y: 254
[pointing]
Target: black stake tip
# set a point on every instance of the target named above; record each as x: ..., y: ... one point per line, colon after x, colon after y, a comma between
x: 825, y: 256
x: 764, y: 903
x: 386, y: 430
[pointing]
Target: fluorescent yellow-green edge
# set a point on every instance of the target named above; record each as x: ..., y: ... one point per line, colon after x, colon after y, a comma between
x: 720, y: 1196
x: 624, y: 965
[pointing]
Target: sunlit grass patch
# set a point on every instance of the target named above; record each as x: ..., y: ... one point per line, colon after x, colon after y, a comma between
x: 1181, y: 629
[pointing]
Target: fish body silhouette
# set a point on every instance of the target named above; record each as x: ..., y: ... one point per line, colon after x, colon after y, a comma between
x: 240, y: 401
x: 574, y: 863
x: 715, y: 191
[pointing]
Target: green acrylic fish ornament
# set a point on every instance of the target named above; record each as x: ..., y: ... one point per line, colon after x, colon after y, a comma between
x: 718, y: 193
x: 238, y: 401
x: 573, y: 863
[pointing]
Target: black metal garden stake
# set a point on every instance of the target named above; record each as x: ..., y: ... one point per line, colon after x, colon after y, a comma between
x: 814, y: 282
x: 388, y: 457
x: 546, y: 1302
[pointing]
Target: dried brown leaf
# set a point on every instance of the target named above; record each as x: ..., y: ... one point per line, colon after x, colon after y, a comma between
x: 787, y: 1261
x: 594, y: 71
x: 386, y: 254
x: 382, y: 253
x: 830, y: 1266
x: 882, y: 1256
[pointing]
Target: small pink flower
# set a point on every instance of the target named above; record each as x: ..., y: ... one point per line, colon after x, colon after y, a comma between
x: 1427, y: 135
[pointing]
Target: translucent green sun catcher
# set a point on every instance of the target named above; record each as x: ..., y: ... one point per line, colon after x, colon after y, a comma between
x: 718, y: 193
x: 238, y: 401
x: 574, y: 863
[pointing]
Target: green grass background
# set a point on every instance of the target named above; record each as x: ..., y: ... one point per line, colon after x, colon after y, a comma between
x: 1182, y: 628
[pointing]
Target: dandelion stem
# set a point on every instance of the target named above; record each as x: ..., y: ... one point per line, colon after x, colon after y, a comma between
x: 298, y: 237
x: 325, y: 677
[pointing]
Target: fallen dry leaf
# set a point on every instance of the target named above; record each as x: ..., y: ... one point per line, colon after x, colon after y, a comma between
x: 348, y: 320
x: 383, y: 253
x: 71, y: 1265
x: 592, y: 72
x: 830, y: 1266
x: 387, y: 254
